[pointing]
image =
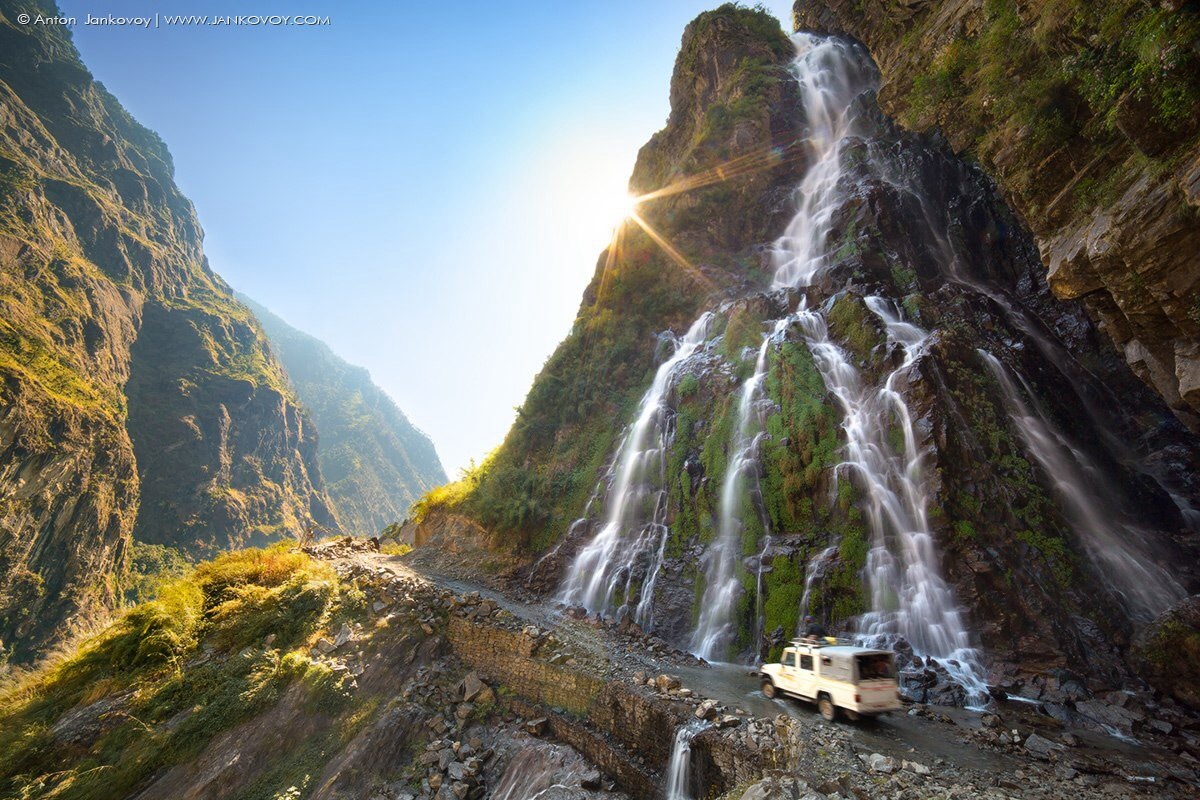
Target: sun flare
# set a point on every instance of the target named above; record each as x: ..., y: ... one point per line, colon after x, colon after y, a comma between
x: 618, y: 208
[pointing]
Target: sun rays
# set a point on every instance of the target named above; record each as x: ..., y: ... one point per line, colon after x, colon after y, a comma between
x: 632, y: 207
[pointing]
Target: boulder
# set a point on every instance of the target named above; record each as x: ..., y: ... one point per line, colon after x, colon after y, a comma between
x: 343, y: 636
x: 1107, y: 715
x: 83, y: 726
x: 1040, y: 746
x: 471, y: 687
x: 591, y: 779
x: 778, y: 789
x: 877, y: 762
x: 1167, y: 652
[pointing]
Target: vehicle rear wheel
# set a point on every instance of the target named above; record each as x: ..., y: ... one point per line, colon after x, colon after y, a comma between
x: 827, y: 708
x: 853, y: 716
x: 768, y: 690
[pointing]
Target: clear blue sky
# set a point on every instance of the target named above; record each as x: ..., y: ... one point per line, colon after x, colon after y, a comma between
x: 422, y: 185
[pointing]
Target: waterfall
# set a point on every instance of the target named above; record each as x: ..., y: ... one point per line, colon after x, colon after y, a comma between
x: 679, y: 767
x: 715, y: 628
x: 604, y: 576
x: 1119, y: 550
x: 538, y: 771
x: 909, y: 597
x: 830, y: 78
x: 815, y: 571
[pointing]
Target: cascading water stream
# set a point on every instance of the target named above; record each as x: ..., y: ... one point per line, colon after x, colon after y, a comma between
x: 1089, y: 389
x: 679, y: 767
x: 1119, y: 550
x: 628, y: 546
x: 830, y: 79
x: 815, y: 572
x: 538, y: 772
x: 909, y: 597
x: 715, y: 629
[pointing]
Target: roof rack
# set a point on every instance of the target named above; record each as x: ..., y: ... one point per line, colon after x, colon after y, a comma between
x: 824, y: 641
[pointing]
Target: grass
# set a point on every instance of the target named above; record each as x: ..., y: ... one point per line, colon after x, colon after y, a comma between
x: 784, y: 588
x: 150, y: 567
x: 40, y: 363
x: 852, y: 323
x: 199, y: 654
x: 395, y: 548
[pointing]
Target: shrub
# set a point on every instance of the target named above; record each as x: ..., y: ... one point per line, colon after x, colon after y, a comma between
x: 149, y: 656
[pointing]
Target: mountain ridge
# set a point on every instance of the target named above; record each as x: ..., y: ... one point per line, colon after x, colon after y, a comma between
x: 138, y: 397
x: 375, y: 462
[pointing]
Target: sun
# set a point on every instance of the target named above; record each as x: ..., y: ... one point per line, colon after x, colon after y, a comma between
x: 615, y: 207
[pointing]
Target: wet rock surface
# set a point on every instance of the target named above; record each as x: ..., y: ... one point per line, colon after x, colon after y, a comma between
x: 1128, y: 254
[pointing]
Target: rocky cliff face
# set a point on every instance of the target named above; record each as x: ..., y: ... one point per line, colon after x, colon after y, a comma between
x: 374, y: 461
x: 1086, y: 115
x: 940, y: 451
x: 137, y: 396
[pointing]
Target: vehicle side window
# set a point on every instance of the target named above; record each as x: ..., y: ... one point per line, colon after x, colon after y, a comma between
x: 806, y: 663
x: 789, y: 659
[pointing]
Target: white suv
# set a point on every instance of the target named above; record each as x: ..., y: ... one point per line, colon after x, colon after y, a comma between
x: 859, y: 680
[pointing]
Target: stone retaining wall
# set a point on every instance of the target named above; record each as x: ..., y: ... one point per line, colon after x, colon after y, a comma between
x: 507, y: 657
x: 625, y: 730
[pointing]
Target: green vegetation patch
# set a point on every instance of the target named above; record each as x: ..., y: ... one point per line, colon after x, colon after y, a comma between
x: 1018, y: 500
x: 851, y: 322
x: 152, y: 566
x: 214, y: 648
x: 804, y: 439
x: 784, y: 587
x: 1070, y: 75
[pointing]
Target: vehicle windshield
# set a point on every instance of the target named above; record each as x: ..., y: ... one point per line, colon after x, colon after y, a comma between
x: 875, y: 667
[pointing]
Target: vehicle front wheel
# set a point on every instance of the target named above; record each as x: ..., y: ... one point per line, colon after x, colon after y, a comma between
x: 768, y: 690
x: 827, y: 708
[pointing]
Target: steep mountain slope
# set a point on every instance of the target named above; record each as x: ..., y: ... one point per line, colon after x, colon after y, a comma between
x: 1086, y: 114
x: 886, y: 419
x: 732, y: 112
x: 137, y: 396
x: 375, y: 463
